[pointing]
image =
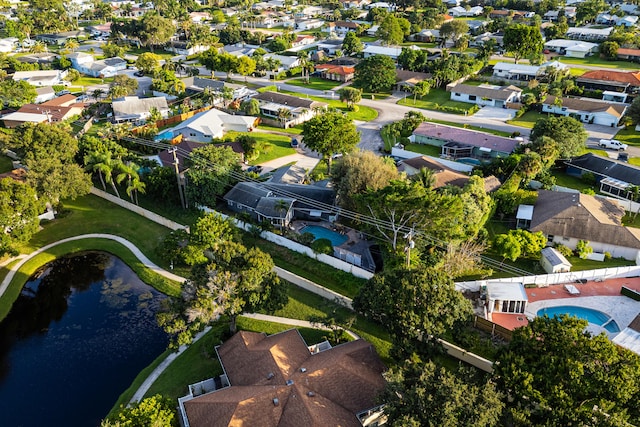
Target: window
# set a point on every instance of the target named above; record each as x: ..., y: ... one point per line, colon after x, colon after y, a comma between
x: 457, y: 94
x: 472, y: 97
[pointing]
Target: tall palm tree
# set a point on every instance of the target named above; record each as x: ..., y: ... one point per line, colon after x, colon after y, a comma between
x: 136, y: 186
x: 71, y: 45
x: 97, y: 94
x: 282, y: 207
x: 94, y: 162
x: 38, y: 47
x: 283, y: 115
x: 129, y: 172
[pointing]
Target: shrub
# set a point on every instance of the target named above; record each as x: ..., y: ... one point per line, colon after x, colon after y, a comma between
x: 588, y: 191
x: 588, y: 178
x: 306, y: 238
x: 322, y: 246
x: 564, y: 250
x: 607, y: 256
x: 583, y: 249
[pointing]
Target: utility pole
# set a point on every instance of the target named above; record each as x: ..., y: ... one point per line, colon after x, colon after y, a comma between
x: 410, y: 245
x: 175, y: 164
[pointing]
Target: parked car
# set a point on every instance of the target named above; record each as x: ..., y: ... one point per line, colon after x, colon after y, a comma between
x: 63, y: 92
x: 139, y: 73
x: 256, y: 169
x: 612, y: 144
x: 294, y: 143
x: 623, y: 157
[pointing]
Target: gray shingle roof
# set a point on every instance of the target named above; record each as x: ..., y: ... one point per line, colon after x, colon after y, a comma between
x: 607, y: 168
x: 247, y: 194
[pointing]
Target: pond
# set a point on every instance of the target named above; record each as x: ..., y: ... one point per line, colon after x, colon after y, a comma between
x: 79, y: 333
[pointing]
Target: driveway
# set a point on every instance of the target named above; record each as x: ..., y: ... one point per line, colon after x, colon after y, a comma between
x: 495, y: 113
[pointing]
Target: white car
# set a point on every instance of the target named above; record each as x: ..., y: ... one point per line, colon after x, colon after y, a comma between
x: 613, y: 144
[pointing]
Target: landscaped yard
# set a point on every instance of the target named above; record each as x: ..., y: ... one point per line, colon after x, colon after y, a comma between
x: 629, y: 136
x: 276, y: 145
x: 364, y: 114
x: 466, y: 126
x: 314, y: 83
x: 429, y: 150
x: 90, y: 81
x: 436, y: 98
x: 564, y: 180
x: 296, y: 130
x: 527, y: 120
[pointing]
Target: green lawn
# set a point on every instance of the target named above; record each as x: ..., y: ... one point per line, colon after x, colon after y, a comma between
x: 6, y: 164
x: 565, y: 180
x: 91, y: 81
x: 436, y: 98
x: 595, y: 60
x: 629, y: 136
x: 466, y: 126
x: 429, y: 150
x: 364, y: 114
x: 577, y: 71
x: 277, y: 145
x: 527, y: 120
x: 163, y: 54
x: 294, y: 130
x: 314, y: 83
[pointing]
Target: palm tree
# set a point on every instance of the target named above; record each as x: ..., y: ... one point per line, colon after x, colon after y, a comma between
x: 282, y: 207
x: 180, y: 66
x: 94, y: 162
x: 283, y: 115
x: 38, y: 47
x: 136, y: 186
x: 97, y: 94
x: 130, y: 173
x: 71, y: 45
x: 211, y: 95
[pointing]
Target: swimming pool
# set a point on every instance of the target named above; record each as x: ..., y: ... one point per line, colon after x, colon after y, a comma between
x: 469, y: 161
x: 324, y: 233
x: 592, y: 316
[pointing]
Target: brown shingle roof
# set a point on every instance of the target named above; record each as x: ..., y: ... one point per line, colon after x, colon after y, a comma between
x: 584, y: 217
x: 502, y: 93
x: 588, y: 105
x: 614, y: 76
x: 631, y: 52
x: 293, y: 101
x: 336, y: 384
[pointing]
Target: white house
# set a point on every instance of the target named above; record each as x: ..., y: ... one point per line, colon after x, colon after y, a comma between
x: 506, y: 297
x: 589, y: 33
x: 485, y: 95
x: 341, y: 28
x: 41, y: 78
x: 134, y: 109
x: 391, y: 51
x: 553, y: 261
x: 185, y: 48
x: 524, y: 72
x: 309, y: 24
x: 213, y: 123
x: 286, y: 62
x: 8, y: 44
x: 45, y: 94
x: 299, y: 109
x: 586, y: 110
x: 389, y: 7
x: 460, y: 11
x: 86, y: 64
x: 571, y: 48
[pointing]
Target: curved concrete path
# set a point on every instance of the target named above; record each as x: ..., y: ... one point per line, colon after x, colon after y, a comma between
x: 134, y: 249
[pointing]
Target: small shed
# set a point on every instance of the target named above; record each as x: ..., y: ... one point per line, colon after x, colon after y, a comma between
x: 523, y: 216
x: 554, y: 262
x: 506, y: 297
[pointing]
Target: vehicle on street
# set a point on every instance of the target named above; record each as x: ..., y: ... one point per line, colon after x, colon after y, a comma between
x: 63, y: 92
x: 623, y: 157
x: 612, y: 144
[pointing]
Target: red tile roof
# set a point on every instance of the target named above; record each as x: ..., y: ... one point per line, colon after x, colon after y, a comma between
x: 614, y: 76
x: 630, y: 52
x: 336, y: 69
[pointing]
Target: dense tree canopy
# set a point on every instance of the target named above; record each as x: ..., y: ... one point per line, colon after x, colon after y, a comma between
x: 155, y: 30
x: 19, y: 210
x: 352, y: 44
x: 567, y: 132
x: 210, y: 174
x: 14, y: 94
x: 523, y: 41
x: 557, y: 374
x: 154, y: 411
x: 375, y: 74
x: 330, y: 133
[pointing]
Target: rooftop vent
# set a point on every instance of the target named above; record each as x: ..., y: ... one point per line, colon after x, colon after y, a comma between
x: 276, y: 402
x: 310, y: 394
x: 270, y: 375
x: 289, y: 382
x: 303, y: 370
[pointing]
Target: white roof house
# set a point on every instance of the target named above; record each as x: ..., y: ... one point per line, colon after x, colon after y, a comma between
x: 589, y: 33
x: 40, y: 77
x: 571, y: 48
x: 524, y: 72
x: 506, y: 297
x: 286, y: 62
x: 212, y: 124
x: 132, y: 108
x: 390, y: 51
x: 629, y: 339
x: 553, y: 261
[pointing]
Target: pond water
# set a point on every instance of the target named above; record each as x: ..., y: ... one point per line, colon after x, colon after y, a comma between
x: 82, y: 329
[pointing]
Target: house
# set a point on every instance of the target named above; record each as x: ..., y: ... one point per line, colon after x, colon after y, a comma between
x: 426, y: 36
x: 553, y: 261
x: 41, y: 78
x: 286, y: 62
x: 516, y: 15
x: 134, y: 109
x: 185, y: 48
x: 44, y: 94
x: 340, y: 73
x: 330, y: 46
x: 443, y: 175
x: 53, y: 111
x: 616, y: 178
x: 303, y: 40
x: 506, y: 298
x: 460, y: 11
x: 212, y: 124
x: 406, y: 79
x: 341, y: 28
x: 485, y: 95
x: 476, y: 26
x: 480, y: 40
x: 614, y: 96
x: 524, y: 72
x: 100, y: 30
x: 86, y: 64
x: 260, y: 202
x: 60, y: 38
x: 571, y: 48
x: 240, y: 49
x: 309, y: 24
x: 195, y: 85
x: 389, y: 7
x: 629, y: 54
x: 459, y: 143
x: 278, y: 380
x: 299, y: 110
x: 566, y: 218
x: 390, y: 51
x: 44, y: 58
x: 611, y: 80
x: 308, y: 12
x: 589, y: 33
x: 8, y: 44
x: 629, y: 337
x: 586, y: 110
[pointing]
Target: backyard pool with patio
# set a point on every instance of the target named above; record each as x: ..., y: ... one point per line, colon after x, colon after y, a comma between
x: 324, y: 233
x: 592, y: 316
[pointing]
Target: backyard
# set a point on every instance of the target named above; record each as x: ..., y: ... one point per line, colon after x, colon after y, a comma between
x: 314, y: 83
x: 436, y: 100
x: 275, y: 145
x: 364, y: 114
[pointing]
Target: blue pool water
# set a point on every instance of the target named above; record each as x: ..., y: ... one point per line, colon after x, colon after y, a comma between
x: 469, y: 161
x: 592, y: 316
x: 324, y: 233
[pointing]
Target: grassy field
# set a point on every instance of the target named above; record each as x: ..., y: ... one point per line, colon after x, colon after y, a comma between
x: 577, y: 71
x: 364, y: 114
x: 5, y: 164
x: 436, y: 97
x: 466, y: 126
x: 314, y: 83
x: 596, y: 61
x: 565, y: 180
x: 277, y: 145
x: 429, y: 150
x: 91, y: 81
x: 294, y: 130
x: 629, y: 136
x: 163, y: 54
x: 527, y: 120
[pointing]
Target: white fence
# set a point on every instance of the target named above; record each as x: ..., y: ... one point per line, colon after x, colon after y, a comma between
x: 543, y: 280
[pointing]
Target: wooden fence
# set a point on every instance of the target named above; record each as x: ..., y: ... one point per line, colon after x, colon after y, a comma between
x: 493, y: 328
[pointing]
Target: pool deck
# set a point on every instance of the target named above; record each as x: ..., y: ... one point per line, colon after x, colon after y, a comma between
x: 602, y: 296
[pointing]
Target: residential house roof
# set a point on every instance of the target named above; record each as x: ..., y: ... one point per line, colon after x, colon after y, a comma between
x: 487, y: 91
x: 327, y: 388
x: 38, y: 58
x: 411, y: 77
x: 629, y: 77
x: 554, y: 257
x: 133, y: 106
x: 466, y: 137
x: 628, y: 52
x: 607, y: 167
x: 588, y: 105
x: 341, y: 70
x: 210, y: 122
x: 344, y: 24
x: 184, y: 150
x: 292, y: 174
x: 442, y: 174
x: 580, y: 216
x: 198, y: 84
x: 311, y: 197
x: 274, y: 207
x: 383, y: 50
x: 247, y: 193
x: 288, y: 100
x: 56, y: 109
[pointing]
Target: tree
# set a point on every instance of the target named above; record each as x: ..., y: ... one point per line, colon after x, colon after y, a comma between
x: 522, y: 41
x: 14, y: 94
x: 330, y: 133
x: 597, y: 380
x: 583, y: 249
x: 375, y: 74
x: 19, y: 210
x: 588, y: 10
x: 111, y: 50
x: 210, y: 173
x: 350, y: 96
x: 421, y: 88
x: 155, y: 30
x: 122, y: 85
x: 148, y: 62
x: 633, y: 112
x: 609, y: 49
x: 567, y: 132
x: 71, y: 45
x: 415, y: 304
x: 245, y: 66
x: 507, y: 246
x: 155, y: 411
x: 390, y: 31
x: 453, y: 30
x: 359, y: 172
x: 251, y: 107
x: 352, y: 44
x: 423, y: 394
